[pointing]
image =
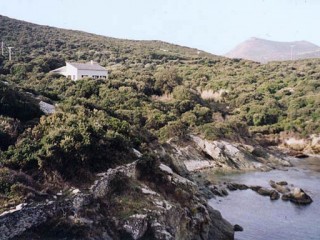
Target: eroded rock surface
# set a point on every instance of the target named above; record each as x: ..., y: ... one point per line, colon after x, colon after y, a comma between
x: 122, y: 204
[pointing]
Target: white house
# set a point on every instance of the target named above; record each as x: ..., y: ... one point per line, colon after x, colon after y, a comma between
x: 76, y: 71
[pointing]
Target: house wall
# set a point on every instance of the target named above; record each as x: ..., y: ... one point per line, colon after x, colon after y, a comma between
x: 71, y: 72
x: 75, y: 74
x: 92, y: 74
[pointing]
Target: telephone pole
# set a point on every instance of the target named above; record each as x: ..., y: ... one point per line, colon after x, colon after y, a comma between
x: 10, y: 53
x: 292, y: 46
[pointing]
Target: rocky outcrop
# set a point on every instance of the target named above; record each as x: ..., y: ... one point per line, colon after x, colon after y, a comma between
x: 297, y: 196
x: 14, y: 223
x: 301, y: 146
x: 281, y: 187
x: 121, y: 204
x: 293, y: 194
x: 198, y: 154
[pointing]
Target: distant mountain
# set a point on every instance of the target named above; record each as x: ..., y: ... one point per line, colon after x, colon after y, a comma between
x: 262, y: 50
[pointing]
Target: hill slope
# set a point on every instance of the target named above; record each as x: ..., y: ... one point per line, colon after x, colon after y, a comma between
x: 261, y: 50
x: 30, y: 40
x: 133, y: 129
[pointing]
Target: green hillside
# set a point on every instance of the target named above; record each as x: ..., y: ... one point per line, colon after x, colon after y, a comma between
x: 155, y: 91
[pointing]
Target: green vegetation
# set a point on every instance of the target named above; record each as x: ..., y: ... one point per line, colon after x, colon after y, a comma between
x: 154, y: 92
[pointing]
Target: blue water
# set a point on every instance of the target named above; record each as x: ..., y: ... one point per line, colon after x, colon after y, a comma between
x: 263, y: 219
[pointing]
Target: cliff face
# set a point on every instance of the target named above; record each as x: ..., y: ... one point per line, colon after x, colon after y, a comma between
x: 220, y: 155
x: 123, y: 203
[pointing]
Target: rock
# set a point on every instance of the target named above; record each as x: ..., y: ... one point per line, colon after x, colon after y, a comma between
x: 300, y: 197
x: 224, y: 192
x: 153, y: 216
x: 297, y: 196
x: 274, y: 195
x: 255, y: 188
x: 265, y: 191
x: 237, y: 228
x: 282, y: 183
x: 285, y: 197
x: 221, y: 192
x: 75, y: 191
x: 279, y: 187
x: 136, y: 226
x: 231, y: 187
x: 301, y: 155
x: 236, y: 186
x: 13, y: 224
x: 219, y: 229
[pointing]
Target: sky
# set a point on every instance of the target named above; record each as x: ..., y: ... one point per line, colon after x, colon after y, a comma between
x: 214, y: 26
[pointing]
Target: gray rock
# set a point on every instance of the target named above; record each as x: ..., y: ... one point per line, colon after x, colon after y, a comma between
x: 297, y: 196
x: 281, y: 188
x: 237, y: 186
x: 274, y: 195
x: 237, y: 228
x: 282, y: 183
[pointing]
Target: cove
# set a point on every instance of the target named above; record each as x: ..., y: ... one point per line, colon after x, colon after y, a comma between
x: 264, y: 219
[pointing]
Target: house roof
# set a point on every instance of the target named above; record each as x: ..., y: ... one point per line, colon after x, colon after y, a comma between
x: 87, y: 66
x: 59, y: 70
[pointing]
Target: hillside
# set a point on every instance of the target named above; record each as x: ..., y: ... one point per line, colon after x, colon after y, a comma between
x: 118, y: 154
x: 261, y: 50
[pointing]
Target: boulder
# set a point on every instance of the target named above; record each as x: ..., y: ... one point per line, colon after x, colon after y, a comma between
x: 265, y: 191
x: 221, y: 192
x: 282, y: 183
x: 281, y: 188
x: 237, y: 228
x: 255, y: 188
x: 274, y: 195
x: 237, y: 186
x: 297, y: 196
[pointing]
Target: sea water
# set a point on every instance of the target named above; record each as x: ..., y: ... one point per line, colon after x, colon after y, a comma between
x: 263, y: 219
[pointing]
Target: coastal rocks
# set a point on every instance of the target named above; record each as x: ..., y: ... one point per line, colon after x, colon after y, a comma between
x: 196, y: 154
x: 237, y: 228
x: 297, y: 196
x: 122, y: 204
x: 236, y: 186
x: 294, y: 194
x: 217, y: 191
x: 13, y: 224
x: 301, y: 147
x: 274, y: 195
x: 281, y: 187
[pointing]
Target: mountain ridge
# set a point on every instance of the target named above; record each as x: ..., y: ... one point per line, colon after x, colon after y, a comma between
x: 262, y: 50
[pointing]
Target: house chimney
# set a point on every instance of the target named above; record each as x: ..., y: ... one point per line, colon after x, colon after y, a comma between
x: 91, y: 62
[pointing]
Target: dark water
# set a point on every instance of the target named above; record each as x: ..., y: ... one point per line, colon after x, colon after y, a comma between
x: 264, y: 219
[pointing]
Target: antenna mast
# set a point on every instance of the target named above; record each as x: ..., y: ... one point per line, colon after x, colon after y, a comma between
x: 10, y: 53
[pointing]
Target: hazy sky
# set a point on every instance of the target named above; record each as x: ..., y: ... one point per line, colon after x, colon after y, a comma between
x: 212, y: 25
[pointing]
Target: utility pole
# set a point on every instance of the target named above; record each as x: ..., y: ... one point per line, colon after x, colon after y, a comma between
x: 2, y: 48
x: 292, y: 46
x: 10, y: 53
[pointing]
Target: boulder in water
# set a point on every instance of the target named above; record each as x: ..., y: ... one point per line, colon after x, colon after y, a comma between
x: 237, y: 228
x: 297, y: 196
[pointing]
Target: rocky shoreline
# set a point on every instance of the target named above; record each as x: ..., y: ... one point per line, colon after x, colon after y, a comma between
x: 128, y: 202
x: 287, y: 192
x: 152, y: 199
